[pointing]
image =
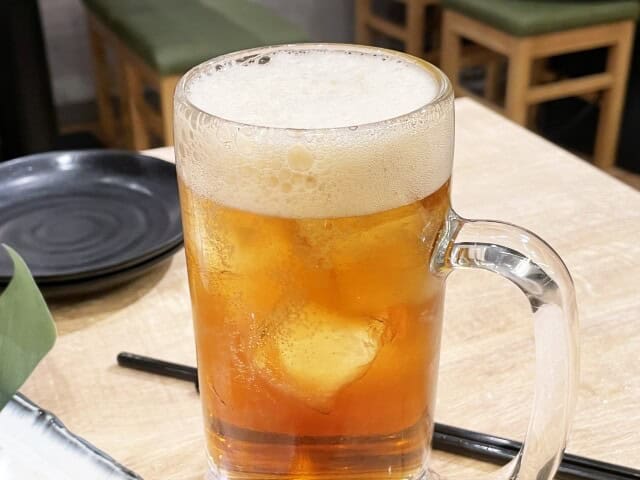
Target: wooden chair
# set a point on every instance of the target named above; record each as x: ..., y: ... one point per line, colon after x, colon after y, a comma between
x: 154, y: 43
x: 529, y: 31
x: 412, y: 33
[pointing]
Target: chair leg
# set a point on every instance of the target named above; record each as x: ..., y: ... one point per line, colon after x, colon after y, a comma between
x: 612, y: 102
x: 167, y: 89
x: 363, y: 32
x: 492, y: 80
x: 518, y: 80
x: 415, y: 27
x: 450, y: 51
x: 124, y: 127
x: 106, y: 114
x: 538, y: 68
x: 132, y: 91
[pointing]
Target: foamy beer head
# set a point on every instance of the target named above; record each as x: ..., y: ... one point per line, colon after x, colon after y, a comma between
x: 314, y: 131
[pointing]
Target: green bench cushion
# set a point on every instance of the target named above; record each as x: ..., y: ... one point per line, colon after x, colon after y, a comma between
x: 532, y: 17
x: 174, y: 35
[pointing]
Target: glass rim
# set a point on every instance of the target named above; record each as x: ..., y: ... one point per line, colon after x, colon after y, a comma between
x: 445, y: 90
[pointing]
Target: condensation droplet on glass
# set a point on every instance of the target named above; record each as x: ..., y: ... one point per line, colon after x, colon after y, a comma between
x: 299, y: 158
x: 311, y: 181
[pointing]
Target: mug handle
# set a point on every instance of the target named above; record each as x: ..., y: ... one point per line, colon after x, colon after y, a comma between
x: 535, y: 268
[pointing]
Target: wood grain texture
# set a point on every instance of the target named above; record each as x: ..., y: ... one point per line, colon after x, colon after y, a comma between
x: 501, y: 171
x: 139, y: 120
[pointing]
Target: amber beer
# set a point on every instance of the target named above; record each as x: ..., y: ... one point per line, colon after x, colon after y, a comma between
x: 309, y: 228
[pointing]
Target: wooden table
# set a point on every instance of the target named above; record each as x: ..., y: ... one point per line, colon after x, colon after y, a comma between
x: 501, y: 171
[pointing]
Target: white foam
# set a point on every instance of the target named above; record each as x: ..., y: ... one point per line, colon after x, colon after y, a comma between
x: 314, y: 91
x: 327, y: 172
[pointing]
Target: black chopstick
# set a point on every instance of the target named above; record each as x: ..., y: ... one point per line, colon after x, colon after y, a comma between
x: 446, y: 438
x: 498, y: 446
x: 501, y: 450
x: 159, y: 367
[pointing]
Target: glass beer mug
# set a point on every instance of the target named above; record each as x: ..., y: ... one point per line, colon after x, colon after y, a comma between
x: 314, y: 184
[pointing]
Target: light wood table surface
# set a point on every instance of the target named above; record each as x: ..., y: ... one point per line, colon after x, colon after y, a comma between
x: 153, y: 425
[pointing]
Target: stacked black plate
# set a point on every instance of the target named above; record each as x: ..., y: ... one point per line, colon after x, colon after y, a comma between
x: 88, y: 220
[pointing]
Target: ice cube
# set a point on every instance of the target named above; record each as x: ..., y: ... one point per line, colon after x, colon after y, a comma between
x: 378, y: 261
x: 227, y: 243
x: 313, y: 353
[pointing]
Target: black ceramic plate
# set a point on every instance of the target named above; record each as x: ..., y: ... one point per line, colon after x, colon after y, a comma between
x: 80, y: 214
x: 93, y: 285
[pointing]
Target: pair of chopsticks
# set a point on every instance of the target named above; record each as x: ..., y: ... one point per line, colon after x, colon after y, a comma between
x: 446, y: 438
x: 501, y: 450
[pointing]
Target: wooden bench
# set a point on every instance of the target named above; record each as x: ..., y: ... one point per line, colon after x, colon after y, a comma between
x: 141, y: 49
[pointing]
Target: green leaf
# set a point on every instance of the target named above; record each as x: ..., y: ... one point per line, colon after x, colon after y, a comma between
x: 27, y: 331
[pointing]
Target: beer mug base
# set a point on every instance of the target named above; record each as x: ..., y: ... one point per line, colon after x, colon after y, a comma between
x: 214, y: 473
x: 428, y: 475
x: 251, y: 455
